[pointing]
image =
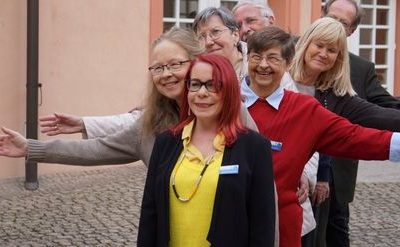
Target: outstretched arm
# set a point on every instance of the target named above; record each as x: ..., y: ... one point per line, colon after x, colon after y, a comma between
x: 61, y: 123
x: 338, y: 137
x: 375, y: 93
x: 359, y: 111
x: 365, y: 82
x: 101, y: 126
x: 123, y: 147
x: 90, y: 127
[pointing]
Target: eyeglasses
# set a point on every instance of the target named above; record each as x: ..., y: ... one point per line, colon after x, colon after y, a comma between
x: 194, y: 85
x: 172, y: 67
x: 214, y: 34
x: 271, y: 59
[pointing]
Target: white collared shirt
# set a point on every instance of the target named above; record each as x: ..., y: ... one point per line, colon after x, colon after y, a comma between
x: 250, y: 97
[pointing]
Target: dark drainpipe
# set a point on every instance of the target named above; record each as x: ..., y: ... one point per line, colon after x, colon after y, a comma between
x: 32, y: 86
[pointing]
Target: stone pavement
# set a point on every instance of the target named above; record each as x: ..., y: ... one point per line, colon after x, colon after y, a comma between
x: 101, y: 208
x: 90, y: 208
x: 375, y: 212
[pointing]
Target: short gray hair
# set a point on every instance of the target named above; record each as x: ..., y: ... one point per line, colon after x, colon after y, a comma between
x: 223, y: 13
x: 266, y: 11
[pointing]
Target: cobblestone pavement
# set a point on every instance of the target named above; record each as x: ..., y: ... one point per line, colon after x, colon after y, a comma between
x: 101, y: 208
x: 90, y: 208
x: 375, y: 215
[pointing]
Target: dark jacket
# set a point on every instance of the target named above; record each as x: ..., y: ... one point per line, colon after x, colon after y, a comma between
x: 366, y: 84
x: 244, y: 207
x: 358, y: 111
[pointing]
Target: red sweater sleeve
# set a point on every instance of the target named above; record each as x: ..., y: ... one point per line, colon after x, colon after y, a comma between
x: 339, y: 137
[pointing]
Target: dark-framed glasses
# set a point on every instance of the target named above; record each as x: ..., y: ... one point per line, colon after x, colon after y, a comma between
x: 194, y: 85
x: 270, y: 59
x: 172, y: 67
x: 214, y: 34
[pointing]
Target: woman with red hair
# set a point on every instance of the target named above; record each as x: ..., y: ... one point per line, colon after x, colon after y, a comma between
x: 210, y: 164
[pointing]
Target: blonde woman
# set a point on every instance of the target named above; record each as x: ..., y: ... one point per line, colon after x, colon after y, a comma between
x: 321, y: 68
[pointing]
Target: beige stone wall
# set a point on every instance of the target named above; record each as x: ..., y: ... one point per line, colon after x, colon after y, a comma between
x: 12, y: 75
x: 93, y: 61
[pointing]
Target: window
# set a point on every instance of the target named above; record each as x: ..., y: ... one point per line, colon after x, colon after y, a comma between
x: 375, y: 43
x: 181, y: 13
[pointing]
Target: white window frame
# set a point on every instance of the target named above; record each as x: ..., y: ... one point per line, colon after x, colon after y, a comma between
x: 354, y: 41
x: 202, y: 5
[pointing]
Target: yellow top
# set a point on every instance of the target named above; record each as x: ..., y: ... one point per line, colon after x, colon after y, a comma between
x: 190, y: 221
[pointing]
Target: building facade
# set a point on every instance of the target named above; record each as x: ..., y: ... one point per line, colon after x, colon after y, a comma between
x: 93, y: 54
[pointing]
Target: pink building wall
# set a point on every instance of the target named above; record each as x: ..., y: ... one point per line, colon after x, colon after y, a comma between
x: 93, y: 61
x: 12, y: 75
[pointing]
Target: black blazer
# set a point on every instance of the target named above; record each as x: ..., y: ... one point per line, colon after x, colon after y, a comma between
x: 366, y: 84
x: 244, y: 207
x: 358, y: 111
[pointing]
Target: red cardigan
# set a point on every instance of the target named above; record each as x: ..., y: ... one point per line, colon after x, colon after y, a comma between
x: 303, y: 126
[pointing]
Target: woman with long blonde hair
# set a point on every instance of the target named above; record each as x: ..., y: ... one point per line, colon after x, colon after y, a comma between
x: 321, y: 59
x: 321, y: 68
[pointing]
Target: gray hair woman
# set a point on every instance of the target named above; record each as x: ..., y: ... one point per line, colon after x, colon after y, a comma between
x: 219, y: 34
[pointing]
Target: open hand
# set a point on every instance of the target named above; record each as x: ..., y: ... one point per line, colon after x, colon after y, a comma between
x: 12, y: 144
x: 60, y: 123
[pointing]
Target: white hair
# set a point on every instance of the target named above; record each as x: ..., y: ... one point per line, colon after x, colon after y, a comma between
x: 266, y: 11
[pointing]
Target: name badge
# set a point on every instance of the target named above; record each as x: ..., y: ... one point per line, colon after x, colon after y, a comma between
x: 232, y: 169
x: 276, y: 146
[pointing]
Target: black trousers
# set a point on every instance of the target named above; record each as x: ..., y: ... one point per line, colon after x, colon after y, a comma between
x: 332, y: 219
x: 308, y: 240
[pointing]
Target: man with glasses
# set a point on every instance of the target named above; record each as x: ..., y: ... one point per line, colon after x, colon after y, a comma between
x: 333, y: 225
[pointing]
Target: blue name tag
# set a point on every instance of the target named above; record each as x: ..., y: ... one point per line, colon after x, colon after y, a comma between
x: 232, y: 169
x: 276, y: 146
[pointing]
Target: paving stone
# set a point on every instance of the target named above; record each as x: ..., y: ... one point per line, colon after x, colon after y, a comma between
x: 375, y: 215
x: 102, y: 208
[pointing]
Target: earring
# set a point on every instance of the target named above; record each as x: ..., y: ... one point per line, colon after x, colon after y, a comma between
x: 189, y: 111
